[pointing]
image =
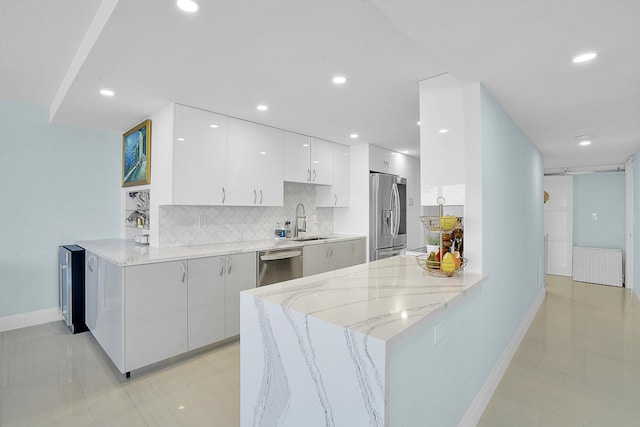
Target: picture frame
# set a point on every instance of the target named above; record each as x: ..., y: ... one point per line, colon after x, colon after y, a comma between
x: 136, y: 155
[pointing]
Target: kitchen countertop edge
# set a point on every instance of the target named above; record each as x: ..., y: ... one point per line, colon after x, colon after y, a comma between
x: 124, y: 252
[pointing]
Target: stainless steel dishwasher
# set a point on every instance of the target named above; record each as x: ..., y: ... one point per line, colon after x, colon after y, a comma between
x: 279, y: 265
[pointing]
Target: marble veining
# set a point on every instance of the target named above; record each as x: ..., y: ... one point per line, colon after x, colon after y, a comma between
x: 333, y: 334
x: 380, y: 299
x: 274, y: 396
x: 307, y: 351
x: 371, y: 397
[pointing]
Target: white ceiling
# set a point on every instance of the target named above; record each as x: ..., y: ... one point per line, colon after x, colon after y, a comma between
x: 234, y: 54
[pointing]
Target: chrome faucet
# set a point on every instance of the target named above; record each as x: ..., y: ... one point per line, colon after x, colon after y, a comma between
x: 297, y: 228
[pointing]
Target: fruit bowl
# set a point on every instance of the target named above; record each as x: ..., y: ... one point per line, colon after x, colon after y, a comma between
x: 433, y: 267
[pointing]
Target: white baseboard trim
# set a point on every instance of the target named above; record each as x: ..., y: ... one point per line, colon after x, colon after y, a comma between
x: 23, y: 320
x: 476, y: 409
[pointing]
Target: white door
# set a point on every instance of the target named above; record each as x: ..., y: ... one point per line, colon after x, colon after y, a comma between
x: 558, y: 223
x: 240, y: 276
x: 297, y: 149
x: 200, y: 157
x: 206, y: 301
x: 629, y: 220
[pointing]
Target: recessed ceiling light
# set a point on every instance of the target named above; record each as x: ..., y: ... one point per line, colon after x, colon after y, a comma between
x: 584, y: 57
x: 180, y: 139
x: 187, y: 5
x: 262, y: 107
x: 339, y: 80
x: 585, y: 142
x: 305, y: 145
x: 263, y: 153
x: 353, y: 136
x: 405, y: 152
x: 107, y: 92
x: 444, y: 131
x: 418, y: 123
x: 213, y: 126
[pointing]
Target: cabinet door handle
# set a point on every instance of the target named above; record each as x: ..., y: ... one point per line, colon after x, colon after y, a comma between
x: 255, y: 197
x: 221, y: 266
x: 224, y: 195
x: 335, y: 199
x: 184, y: 271
x: 308, y: 175
x: 90, y: 263
x: 228, y: 265
x: 260, y: 196
x: 314, y: 175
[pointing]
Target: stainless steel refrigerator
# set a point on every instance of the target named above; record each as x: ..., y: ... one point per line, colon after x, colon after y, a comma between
x: 387, y: 215
x: 71, y: 283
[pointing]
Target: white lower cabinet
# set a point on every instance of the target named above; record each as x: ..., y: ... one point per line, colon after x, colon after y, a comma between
x: 104, y: 306
x: 213, y: 303
x: 146, y: 313
x: 332, y: 256
x: 205, y: 301
x: 155, y: 312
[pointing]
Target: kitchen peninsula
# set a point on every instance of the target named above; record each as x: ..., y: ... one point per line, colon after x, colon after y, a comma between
x: 345, y: 347
x: 145, y: 305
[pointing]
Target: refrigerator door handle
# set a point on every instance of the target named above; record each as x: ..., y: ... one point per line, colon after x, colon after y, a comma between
x: 395, y: 214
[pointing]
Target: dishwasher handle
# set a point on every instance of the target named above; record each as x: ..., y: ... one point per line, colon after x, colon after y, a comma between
x: 273, y: 256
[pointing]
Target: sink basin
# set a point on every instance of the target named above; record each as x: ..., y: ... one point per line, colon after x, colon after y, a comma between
x: 307, y: 238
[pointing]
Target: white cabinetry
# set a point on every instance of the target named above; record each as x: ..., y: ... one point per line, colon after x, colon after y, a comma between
x: 308, y: 160
x: 255, y: 164
x: 297, y: 149
x: 240, y: 276
x: 155, y: 312
x: 104, y: 306
x: 387, y: 161
x: 320, y: 258
x: 213, y: 305
x: 314, y: 259
x: 338, y: 194
x: 443, y: 153
x: 321, y: 162
x: 415, y: 229
x: 199, y: 157
x: 169, y: 307
x: 205, y: 301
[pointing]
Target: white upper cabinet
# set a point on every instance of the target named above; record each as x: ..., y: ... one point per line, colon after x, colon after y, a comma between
x: 415, y: 229
x: 297, y: 151
x: 255, y: 164
x: 442, y: 140
x: 308, y: 160
x: 387, y: 161
x: 199, y: 157
x: 321, y: 161
x: 338, y: 194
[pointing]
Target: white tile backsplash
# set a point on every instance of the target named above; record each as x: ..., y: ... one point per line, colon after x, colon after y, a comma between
x: 181, y: 225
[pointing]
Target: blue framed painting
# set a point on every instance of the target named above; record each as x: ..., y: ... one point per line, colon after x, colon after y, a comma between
x: 136, y: 155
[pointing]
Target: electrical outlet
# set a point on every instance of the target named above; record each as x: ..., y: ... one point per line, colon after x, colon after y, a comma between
x: 202, y: 221
x: 439, y: 333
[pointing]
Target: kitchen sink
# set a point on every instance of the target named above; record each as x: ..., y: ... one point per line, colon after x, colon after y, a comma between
x: 307, y: 238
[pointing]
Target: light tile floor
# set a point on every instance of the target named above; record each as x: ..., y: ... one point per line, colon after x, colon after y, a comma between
x: 578, y: 365
x: 50, y: 377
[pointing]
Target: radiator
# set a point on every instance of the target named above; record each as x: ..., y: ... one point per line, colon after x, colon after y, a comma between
x: 597, y: 265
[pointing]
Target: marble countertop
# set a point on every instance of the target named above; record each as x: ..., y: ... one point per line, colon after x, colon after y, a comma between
x: 384, y: 299
x: 125, y: 252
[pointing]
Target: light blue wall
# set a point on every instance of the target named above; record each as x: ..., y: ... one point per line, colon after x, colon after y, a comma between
x: 480, y: 326
x: 57, y: 185
x: 601, y: 193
